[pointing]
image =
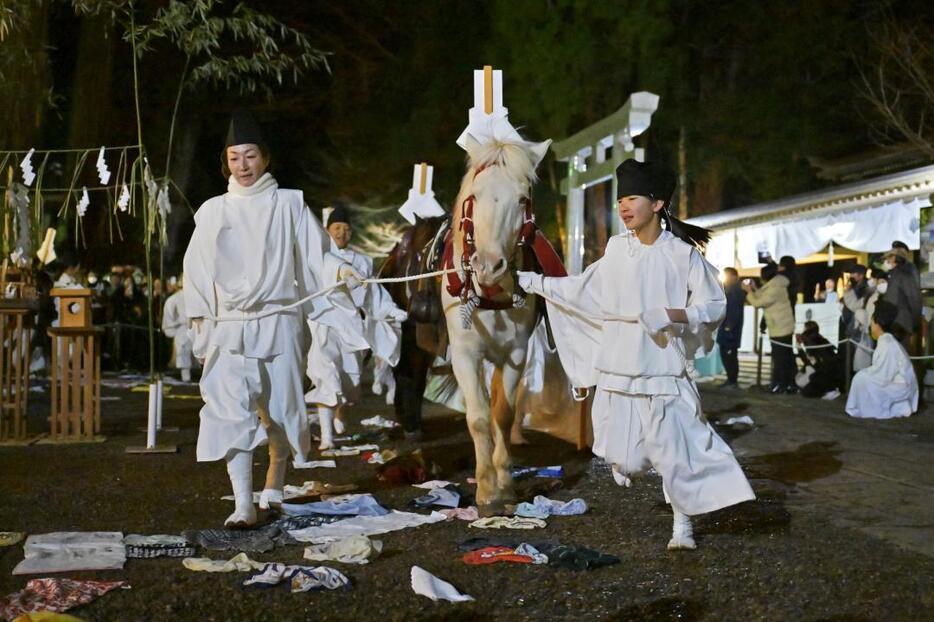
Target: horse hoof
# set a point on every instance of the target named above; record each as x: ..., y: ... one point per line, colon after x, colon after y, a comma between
x: 518, y: 439
x: 495, y: 508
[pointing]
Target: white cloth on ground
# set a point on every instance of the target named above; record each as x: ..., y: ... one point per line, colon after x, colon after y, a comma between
x: 240, y: 562
x: 888, y: 387
x: 379, y: 422
x: 301, y: 578
x: 426, y: 584
x: 66, y: 551
x: 314, y: 464
x: 350, y: 550
x: 366, y: 526
x: 432, y: 484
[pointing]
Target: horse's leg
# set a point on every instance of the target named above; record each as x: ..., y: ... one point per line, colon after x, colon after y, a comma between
x: 505, y: 381
x: 468, y: 369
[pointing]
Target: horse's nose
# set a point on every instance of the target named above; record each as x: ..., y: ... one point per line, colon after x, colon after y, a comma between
x: 488, y: 267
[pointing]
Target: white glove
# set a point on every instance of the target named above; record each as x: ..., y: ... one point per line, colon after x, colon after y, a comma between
x: 398, y: 315
x: 347, y: 274
x: 655, y: 320
x: 531, y: 282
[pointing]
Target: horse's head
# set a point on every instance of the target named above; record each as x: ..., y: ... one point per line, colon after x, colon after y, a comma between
x: 498, y: 185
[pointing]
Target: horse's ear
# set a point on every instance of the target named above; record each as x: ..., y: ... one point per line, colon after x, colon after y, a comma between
x: 473, y: 147
x: 539, y: 151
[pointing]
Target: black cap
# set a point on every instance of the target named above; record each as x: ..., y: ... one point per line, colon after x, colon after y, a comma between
x: 244, y: 129
x: 339, y: 213
x: 860, y: 268
x: 648, y: 179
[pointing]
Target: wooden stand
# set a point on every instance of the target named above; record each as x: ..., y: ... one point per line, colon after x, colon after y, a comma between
x: 16, y: 320
x: 76, y: 385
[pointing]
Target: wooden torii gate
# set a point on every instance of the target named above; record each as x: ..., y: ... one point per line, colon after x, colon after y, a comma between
x: 592, y: 155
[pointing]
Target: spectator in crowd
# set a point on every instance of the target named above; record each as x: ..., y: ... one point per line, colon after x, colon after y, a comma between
x: 773, y: 299
x: 788, y: 268
x: 855, y: 319
x: 70, y: 265
x: 828, y: 294
x: 903, y: 291
x: 820, y: 374
x: 731, y: 330
x: 887, y: 388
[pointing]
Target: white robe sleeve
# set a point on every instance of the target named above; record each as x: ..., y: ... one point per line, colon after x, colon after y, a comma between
x: 705, y: 309
x: 889, y: 361
x: 573, y: 309
x: 199, y: 285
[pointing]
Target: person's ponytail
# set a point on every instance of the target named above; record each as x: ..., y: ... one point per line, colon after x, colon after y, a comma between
x: 690, y: 234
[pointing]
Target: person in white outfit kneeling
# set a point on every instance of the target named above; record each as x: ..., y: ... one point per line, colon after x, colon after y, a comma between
x: 175, y: 325
x: 256, y: 252
x: 631, y: 325
x: 887, y: 388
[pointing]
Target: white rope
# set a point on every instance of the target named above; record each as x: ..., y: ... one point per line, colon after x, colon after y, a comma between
x: 325, y: 291
x: 840, y: 343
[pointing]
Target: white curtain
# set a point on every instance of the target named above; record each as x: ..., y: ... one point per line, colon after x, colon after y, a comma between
x: 866, y: 230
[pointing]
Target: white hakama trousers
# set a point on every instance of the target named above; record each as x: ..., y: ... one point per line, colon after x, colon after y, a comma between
x: 333, y: 368
x: 871, y: 400
x: 239, y: 390
x: 668, y: 432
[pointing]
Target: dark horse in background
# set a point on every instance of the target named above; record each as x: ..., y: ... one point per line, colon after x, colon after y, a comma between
x: 424, y: 335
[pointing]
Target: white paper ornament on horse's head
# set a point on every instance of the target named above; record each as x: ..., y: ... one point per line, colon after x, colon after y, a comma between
x: 421, y: 201
x: 488, y: 120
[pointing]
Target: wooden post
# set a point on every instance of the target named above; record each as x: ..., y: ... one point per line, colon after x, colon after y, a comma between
x: 16, y: 317
x: 75, y: 413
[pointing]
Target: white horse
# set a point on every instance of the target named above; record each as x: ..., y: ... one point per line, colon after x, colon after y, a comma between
x: 495, y: 197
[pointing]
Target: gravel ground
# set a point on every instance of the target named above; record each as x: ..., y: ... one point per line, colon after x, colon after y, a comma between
x: 755, y: 561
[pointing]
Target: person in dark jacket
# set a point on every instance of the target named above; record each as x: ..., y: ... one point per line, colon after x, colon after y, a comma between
x: 731, y: 330
x: 821, y: 364
x: 904, y: 291
x: 788, y: 267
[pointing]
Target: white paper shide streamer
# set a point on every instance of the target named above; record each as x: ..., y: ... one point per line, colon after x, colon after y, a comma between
x: 488, y: 120
x: 124, y: 201
x: 103, y: 172
x: 83, y: 203
x: 421, y: 201
x: 29, y: 175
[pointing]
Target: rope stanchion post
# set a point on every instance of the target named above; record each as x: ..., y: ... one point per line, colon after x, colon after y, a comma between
x: 758, y: 348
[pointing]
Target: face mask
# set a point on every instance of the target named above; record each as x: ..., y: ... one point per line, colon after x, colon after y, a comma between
x: 882, y: 287
x: 887, y: 265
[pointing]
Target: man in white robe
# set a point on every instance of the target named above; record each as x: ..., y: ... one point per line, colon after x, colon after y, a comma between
x: 334, y: 369
x: 175, y: 325
x: 887, y: 388
x: 255, y: 251
x: 631, y: 325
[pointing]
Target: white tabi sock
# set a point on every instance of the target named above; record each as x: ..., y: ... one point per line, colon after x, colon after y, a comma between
x: 186, y: 374
x: 326, y: 422
x: 339, y: 420
x: 619, y: 477
x: 240, y: 470
x: 682, y: 533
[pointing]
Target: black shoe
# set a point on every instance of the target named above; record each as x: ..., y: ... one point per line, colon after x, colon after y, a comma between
x: 776, y: 389
x: 791, y: 389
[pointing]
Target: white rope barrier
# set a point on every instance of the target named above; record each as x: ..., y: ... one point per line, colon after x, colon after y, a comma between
x: 839, y: 343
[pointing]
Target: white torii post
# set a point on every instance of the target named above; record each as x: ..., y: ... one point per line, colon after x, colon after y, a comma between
x: 606, y: 143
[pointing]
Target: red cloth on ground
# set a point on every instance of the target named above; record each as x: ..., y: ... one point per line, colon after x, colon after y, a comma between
x: 493, y: 554
x: 54, y: 595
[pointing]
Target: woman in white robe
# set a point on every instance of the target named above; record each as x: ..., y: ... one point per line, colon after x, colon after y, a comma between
x: 631, y: 325
x: 334, y: 369
x: 887, y: 388
x: 254, y: 251
x: 175, y: 326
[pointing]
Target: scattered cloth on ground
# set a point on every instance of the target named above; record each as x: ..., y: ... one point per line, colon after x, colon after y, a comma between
x: 146, y: 547
x: 54, y: 595
x: 349, y: 550
x: 379, y: 422
x: 311, y: 488
x: 249, y: 540
x: 444, y: 497
x: 543, y: 507
x: 9, y: 538
x: 494, y: 554
x: 563, y: 556
x: 426, y: 584
x: 404, y: 469
x: 339, y: 453
x: 300, y: 578
x: 549, y: 471
x: 363, y: 447
x: 744, y: 420
x: 314, y: 464
x: 508, y: 522
x: 65, y: 551
x: 379, y: 457
x: 240, y: 562
x: 469, y: 513
x: 365, y: 526
x: 46, y: 616
x: 344, y: 505
x: 435, y: 483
